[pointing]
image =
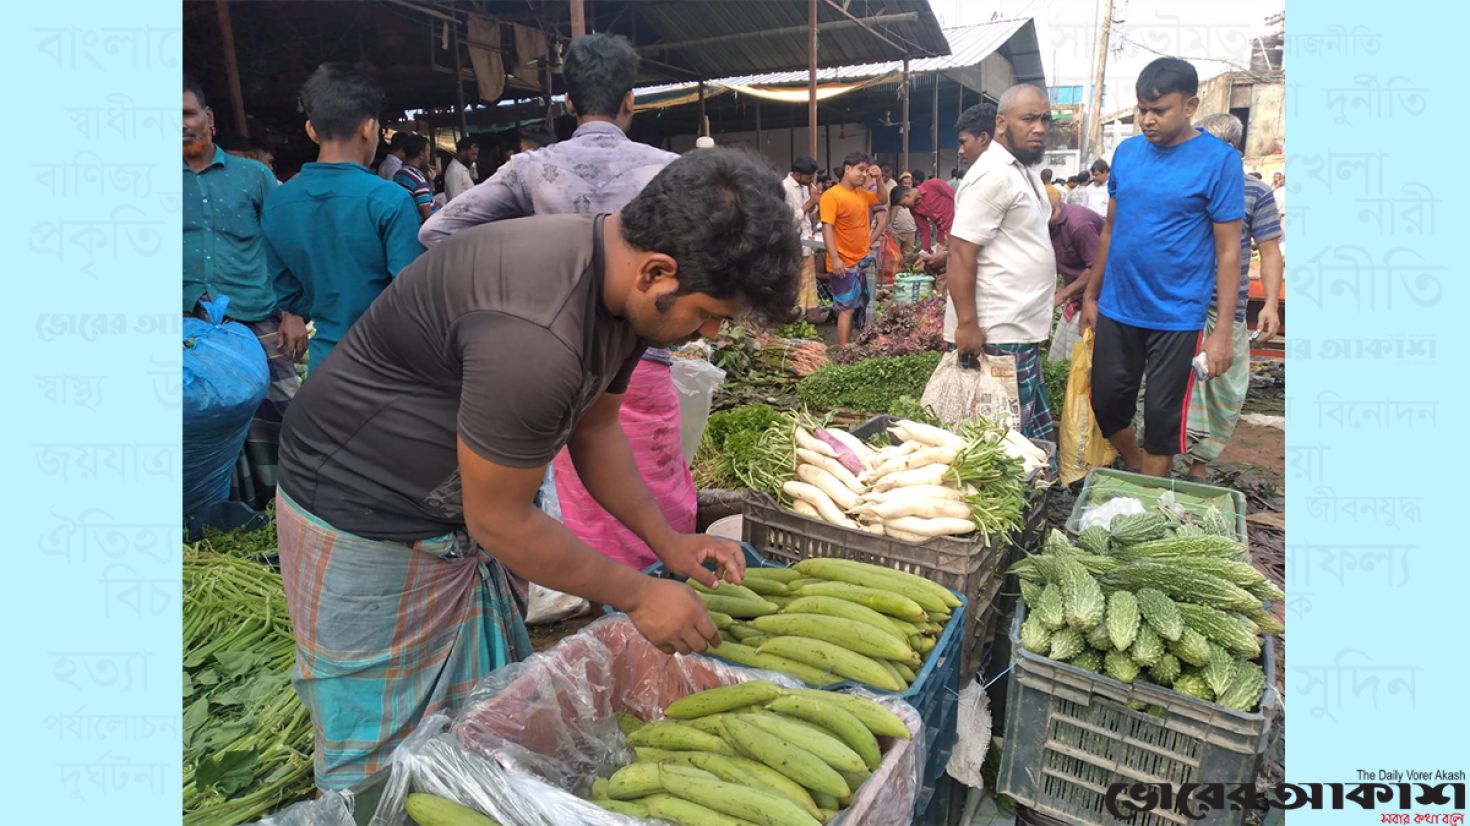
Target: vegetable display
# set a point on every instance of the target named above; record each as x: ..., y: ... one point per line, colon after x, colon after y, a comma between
x: 872, y: 387
x: 1151, y: 598
x: 247, y: 738
x: 932, y: 483
x: 750, y: 753
x: 823, y: 621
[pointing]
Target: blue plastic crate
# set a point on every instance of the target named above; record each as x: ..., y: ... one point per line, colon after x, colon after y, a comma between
x: 934, y: 693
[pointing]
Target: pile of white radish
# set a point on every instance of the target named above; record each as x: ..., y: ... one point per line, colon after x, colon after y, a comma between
x: 908, y: 491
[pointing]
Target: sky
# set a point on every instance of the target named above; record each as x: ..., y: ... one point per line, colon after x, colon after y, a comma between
x: 1215, y: 36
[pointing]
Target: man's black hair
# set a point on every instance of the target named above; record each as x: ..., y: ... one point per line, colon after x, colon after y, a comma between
x: 465, y: 143
x: 977, y: 120
x: 954, y: 172
x: 919, y: 177
x: 1166, y: 75
x: 338, y: 98
x: 414, y: 145
x: 398, y: 140
x: 1256, y: 175
x: 190, y: 85
x: 538, y: 137
x: 853, y: 159
x: 1046, y: 176
x: 722, y: 215
x: 887, y: 167
x: 804, y: 165
x: 1100, y: 165
x: 599, y: 71
x: 897, y: 194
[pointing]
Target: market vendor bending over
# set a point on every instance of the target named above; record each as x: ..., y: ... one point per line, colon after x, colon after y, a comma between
x: 410, y: 461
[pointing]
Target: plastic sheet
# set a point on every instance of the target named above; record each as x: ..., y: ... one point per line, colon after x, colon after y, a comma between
x: 331, y: 809
x: 533, y: 735
x: 695, y: 383
x: 224, y: 380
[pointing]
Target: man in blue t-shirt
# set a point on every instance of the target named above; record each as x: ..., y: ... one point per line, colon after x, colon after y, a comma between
x: 1170, y: 240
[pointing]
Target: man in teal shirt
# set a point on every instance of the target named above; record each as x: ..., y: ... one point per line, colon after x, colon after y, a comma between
x: 224, y: 255
x: 337, y: 234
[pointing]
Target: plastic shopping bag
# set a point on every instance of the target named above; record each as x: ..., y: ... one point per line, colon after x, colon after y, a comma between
x: 1081, y: 446
x: 961, y: 394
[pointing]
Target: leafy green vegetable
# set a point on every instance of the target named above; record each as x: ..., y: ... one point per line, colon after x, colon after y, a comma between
x: 871, y: 386
x: 797, y: 329
x: 1054, y: 375
x: 729, y: 442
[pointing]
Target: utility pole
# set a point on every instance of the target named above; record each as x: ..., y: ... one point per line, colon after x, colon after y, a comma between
x: 1093, y: 147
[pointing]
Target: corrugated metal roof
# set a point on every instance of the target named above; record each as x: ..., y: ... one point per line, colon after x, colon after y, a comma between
x: 685, y: 21
x: 969, y: 46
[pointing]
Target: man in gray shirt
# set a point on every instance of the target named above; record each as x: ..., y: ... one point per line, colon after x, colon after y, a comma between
x: 410, y: 460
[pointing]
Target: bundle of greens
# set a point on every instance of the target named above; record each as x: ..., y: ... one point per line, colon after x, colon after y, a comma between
x: 729, y: 442
x: 247, y: 738
x: 873, y: 386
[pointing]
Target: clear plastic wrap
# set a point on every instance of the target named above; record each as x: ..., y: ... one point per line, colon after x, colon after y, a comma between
x: 331, y: 809
x: 533, y: 735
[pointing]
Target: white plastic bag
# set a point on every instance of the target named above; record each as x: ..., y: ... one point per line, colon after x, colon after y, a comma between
x: 961, y: 394
x: 1103, y: 514
x: 695, y: 383
x: 545, y: 606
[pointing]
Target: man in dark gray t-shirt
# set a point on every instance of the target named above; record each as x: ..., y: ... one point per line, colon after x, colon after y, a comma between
x: 440, y: 409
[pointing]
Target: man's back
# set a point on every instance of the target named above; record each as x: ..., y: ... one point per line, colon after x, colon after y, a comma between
x: 598, y: 170
x: 337, y: 234
x: 462, y: 345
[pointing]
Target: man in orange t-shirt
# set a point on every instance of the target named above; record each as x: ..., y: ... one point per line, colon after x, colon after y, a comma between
x: 844, y: 211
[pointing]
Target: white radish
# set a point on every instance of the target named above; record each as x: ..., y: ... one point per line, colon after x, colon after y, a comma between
x: 942, y: 526
x: 832, y: 466
x: 930, y: 435
x: 812, y: 443
x: 922, y: 508
x: 901, y: 433
x: 899, y: 450
x: 916, y: 492
x: 919, y: 458
x: 828, y: 484
x: 804, y: 508
x: 875, y: 528
x: 827, y: 510
x: 904, y: 535
x: 1025, y: 446
x: 926, y: 475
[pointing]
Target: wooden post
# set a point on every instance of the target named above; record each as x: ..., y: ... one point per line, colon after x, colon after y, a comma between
x: 760, y: 143
x: 904, y: 93
x: 579, y: 19
x: 464, y: 128
x: 232, y: 68
x: 1093, y: 145
x: 827, y: 139
x: 703, y: 121
x: 934, y: 127
x: 811, y: 79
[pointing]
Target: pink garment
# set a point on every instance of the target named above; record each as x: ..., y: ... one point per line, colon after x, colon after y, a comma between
x: 650, y: 417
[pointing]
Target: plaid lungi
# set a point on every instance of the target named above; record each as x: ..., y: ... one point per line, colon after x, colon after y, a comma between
x: 850, y: 292
x: 386, y: 634
x: 255, y: 472
x: 1036, y: 421
x: 1214, y: 405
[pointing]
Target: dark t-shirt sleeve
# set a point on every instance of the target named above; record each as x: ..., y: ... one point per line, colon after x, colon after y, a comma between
x: 620, y: 381
x: 520, y: 388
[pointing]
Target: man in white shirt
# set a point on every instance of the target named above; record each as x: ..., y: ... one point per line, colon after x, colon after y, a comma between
x: 803, y: 198
x: 1095, y: 194
x: 457, y: 177
x: 1001, y: 236
x: 393, y: 161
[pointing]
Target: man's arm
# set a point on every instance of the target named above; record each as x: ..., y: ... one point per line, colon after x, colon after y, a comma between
x: 1273, y: 269
x: 400, y: 233
x: 1219, y: 347
x: 1100, y: 266
x: 968, y: 337
x: 829, y: 237
x: 503, y: 195
x: 499, y: 514
x: 922, y: 220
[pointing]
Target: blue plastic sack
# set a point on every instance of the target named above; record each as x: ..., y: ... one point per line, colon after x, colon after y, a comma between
x: 224, y: 380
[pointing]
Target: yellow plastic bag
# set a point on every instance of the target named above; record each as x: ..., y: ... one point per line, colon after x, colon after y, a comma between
x: 1080, y: 444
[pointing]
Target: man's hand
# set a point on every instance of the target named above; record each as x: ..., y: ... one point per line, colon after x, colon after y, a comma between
x: 685, y: 555
x: 1088, y: 321
x: 293, y: 335
x: 672, y: 617
x: 1220, y: 350
x: 1059, y: 299
x: 1268, y: 322
x: 969, y: 338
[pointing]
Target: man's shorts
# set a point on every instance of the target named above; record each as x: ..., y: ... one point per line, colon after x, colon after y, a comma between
x: 1121, y: 355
